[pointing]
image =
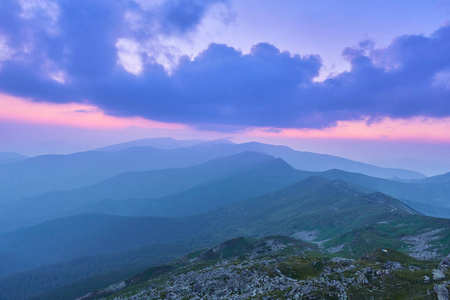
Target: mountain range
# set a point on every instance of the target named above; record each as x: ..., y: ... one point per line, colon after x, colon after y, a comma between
x: 64, y: 172
x: 145, y: 206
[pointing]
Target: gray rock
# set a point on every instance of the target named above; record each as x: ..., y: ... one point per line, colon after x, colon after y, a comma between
x: 426, y: 279
x: 393, y: 265
x: 438, y: 275
x: 413, y: 268
x: 362, y: 279
x: 445, y: 263
x: 441, y: 291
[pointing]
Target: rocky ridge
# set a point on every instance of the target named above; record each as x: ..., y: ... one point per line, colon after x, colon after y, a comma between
x: 275, y: 275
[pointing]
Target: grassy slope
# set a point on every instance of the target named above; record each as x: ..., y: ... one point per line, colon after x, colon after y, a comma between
x: 330, y: 207
x: 423, y: 192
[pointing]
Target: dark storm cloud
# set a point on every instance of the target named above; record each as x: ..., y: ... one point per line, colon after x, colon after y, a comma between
x: 222, y: 88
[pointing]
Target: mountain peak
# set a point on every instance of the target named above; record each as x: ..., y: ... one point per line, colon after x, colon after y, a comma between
x: 215, y: 142
x: 159, y: 142
x: 10, y: 157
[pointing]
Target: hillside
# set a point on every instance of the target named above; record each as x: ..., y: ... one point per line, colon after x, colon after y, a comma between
x: 444, y: 178
x: 427, y: 196
x: 90, y: 235
x: 331, y: 213
x: 327, y: 207
x: 281, y: 267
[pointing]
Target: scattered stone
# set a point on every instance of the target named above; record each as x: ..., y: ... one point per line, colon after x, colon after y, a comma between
x: 420, y: 247
x: 335, y: 249
x: 306, y: 235
x: 260, y: 276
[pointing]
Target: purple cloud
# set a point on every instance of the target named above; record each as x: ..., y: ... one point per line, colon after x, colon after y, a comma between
x: 221, y: 88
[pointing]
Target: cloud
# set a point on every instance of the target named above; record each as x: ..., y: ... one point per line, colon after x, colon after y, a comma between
x: 221, y: 86
x: 106, y: 53
x: 398, y: 81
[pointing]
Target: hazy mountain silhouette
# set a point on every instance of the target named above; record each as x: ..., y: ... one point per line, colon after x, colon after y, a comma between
x: 49, y: 173
x: 260, y: 179
x: 10, y: 157
x: 160, y: 143
x: 149, y: 184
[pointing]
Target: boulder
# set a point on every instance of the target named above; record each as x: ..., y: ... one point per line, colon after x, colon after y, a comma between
x: 445, y: 263
x: 393, y: 265
x: 438, y: 275
x: 441, y: 291
x: 362, y: 279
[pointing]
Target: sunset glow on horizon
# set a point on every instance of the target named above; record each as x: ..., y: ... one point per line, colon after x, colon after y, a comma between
x: 78, y: 115
x: 88, y: 116
x: 418, y: 129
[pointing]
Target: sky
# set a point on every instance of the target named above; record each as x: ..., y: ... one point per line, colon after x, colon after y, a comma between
x: 366, y: 80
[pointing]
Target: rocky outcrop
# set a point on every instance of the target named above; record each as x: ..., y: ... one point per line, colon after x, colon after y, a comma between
x: 234, y: 281
x: 259, y: 278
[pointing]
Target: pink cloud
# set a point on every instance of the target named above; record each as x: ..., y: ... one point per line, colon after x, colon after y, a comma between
x: 71, y: 114
x: 87, y: 116
x: 418, y: 129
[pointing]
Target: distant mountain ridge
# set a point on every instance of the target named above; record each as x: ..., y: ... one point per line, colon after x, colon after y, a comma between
x: 160, y: 143
x: 262, y: 178
x: 49, y: 173
x: 140, y: 185
x: 443, y: 178
x: 11, y: 157
x: 308, y: 161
